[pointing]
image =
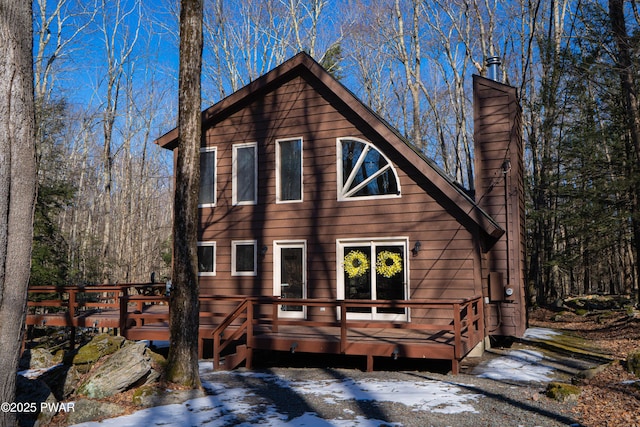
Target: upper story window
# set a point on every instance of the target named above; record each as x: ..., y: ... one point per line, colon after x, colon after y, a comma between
x: 208, y: 168
x: 364, y: 172
x: 245, y: 174
x: 289, y: 170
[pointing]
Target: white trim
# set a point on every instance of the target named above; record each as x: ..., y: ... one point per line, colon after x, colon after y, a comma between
x: 215, y: 176
x: 278, y: 195
x: 215, y: 254
x: 277, y: 288
x: 346, y: 195
x: 234, y: 173
x: 234, y: 244
x: 371, y: 243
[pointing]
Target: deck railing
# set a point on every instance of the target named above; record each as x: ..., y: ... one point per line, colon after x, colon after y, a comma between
x: 134, y: 304
x: 67, y: 305
x: 466, y: 314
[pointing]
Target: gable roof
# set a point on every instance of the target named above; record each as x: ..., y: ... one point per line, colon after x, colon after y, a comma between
x: 428, y: 174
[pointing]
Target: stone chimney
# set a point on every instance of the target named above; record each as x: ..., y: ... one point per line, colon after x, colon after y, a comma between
x: 499, y: 191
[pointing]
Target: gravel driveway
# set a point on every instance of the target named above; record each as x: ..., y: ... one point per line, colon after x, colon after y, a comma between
x: 504, y: 388
x: 315, y: 396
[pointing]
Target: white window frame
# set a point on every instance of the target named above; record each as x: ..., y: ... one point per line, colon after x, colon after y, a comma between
x: 215, y: 176
x: 234, y: 244
x: 347, y: 195
x: 278, y: 171
x: 277, y: 290
x: 371, y: 243
x: 235, y: 201
x: 215, y: 255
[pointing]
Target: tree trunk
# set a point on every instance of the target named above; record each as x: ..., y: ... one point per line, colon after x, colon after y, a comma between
x: 17, y: 186
x: 618, y: 25
x: 182, y: 366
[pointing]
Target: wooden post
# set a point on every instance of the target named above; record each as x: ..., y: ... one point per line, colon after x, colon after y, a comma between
x: 274, y: 317
x: 216, y: 351
x: 71, y: 309
x: 457, y: 331
x: 343, y: 327
x: 249, y: 357
x: 123, y: 313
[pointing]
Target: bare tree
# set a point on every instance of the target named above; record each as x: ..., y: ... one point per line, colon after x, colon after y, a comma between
x: 119, y: 41
x: 17, y: 186
x: 182, y: 363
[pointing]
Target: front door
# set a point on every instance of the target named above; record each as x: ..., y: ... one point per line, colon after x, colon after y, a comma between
x: 373, y: 270
x: 290, y: 276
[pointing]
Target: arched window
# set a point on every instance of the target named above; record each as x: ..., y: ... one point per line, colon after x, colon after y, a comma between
x: 363, y: 171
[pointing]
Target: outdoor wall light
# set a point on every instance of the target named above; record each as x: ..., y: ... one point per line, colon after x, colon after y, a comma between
x: 395, y: 353
x: 263, y: 251
x: 416, y: 248
x: 506, y: 166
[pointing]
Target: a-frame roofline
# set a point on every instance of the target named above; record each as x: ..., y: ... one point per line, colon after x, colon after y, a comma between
x: 424, y: 170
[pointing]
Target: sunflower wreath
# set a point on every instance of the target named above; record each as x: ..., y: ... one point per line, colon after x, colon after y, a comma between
x: 388, y: 264
x: 356, y: 264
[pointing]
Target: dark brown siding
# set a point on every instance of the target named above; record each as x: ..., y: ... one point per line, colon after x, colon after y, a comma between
x: 447, y: 265
x: 500, y: 192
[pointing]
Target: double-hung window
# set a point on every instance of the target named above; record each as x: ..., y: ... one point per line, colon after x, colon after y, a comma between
x: 289, y: 170
x: 207, y: 196
x: 245, y: 174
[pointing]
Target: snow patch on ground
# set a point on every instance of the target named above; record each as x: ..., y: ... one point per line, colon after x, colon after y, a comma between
x: 540, y: 333
x: 229, y: 406
x: 237, y: 406
x: 516, y: 365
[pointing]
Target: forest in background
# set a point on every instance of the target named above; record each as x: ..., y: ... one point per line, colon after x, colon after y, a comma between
x: 106, y: 87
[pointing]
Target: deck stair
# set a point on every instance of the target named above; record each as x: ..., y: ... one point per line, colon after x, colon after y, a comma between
x: 224, y: 337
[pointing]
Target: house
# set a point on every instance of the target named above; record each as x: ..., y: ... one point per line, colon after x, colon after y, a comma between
x: 311, y: 200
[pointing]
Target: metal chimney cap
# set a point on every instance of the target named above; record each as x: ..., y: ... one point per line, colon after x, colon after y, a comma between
x: 493, y: 68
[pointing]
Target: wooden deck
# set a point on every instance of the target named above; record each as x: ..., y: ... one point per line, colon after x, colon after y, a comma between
x: 140, y: 312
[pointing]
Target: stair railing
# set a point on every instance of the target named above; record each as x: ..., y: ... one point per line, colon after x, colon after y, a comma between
x: 246, y: 328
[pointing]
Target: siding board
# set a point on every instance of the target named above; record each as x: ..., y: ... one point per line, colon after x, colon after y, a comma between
x: 430, y: 209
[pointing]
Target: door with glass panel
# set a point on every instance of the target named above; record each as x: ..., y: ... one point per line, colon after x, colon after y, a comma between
x: 290, y: 279
x: 373, y: 270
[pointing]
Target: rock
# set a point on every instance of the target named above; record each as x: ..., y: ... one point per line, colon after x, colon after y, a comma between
x: 36, y: 358
x: 150, y: 395
x: 633, y: 362
x: 156, y: 358
x: 146, y: 395
x: 100, y: 346
x: 85, y: 410
x: 562, y: 392
x: 592, y: 372
x: 33, y: 392
x: 62, y: 380
x: 124, y: 369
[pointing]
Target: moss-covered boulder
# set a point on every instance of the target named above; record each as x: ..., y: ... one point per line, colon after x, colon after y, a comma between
x: 126, y: 368
x: 36, y: 358
x: 562, y: 392
x: 633, y: 362
x: 157, y: 359
x: 100, y: 346
x: 145, y: 395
